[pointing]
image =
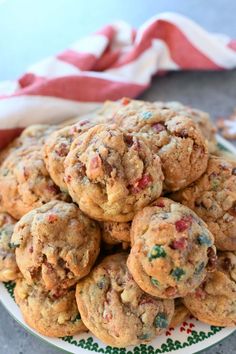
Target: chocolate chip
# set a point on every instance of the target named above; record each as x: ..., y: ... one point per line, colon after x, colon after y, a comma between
x: 234, y: 171
x: 226, y: 264
x: 212, y: 259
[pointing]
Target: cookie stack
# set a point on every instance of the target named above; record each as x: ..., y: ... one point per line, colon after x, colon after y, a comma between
x: 121, y: 223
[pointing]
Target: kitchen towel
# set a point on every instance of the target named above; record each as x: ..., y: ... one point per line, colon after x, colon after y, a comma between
x: 114, y: 62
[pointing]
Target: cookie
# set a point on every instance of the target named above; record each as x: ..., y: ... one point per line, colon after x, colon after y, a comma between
x: 213, y: 198
x: 57, y: 147
x: 214, y: 302
x: 49, y: 315
x: 116, y: 310
x: 25, y: 183
x: 37, y: 133
x: 202, y: 119
x: 171, y: 249
x: 180, y: 315
x: 8, y: 267
x: 172, y: 135
x: 56, y: 244
x: 34, y: 134
x: 111, y: 174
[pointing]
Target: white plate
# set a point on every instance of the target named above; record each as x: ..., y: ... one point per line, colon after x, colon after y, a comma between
x: 191, y: 337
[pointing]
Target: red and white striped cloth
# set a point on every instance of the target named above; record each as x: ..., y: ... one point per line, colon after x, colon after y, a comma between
x: 114, y: 62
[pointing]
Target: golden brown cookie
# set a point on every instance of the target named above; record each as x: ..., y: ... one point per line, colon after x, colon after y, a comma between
x: 214, y: 302
x: 49, y: 315
x: 171, y: 249
x: 111, y: 174
x: 174, y: 136
x: 24, y: 181
x: 213, y: 198
x: 57, y: 147
x: 202, y: 119
x: 8, y: 267
x: 116, y: 310
x: 56, y: 244
x: 180, y: 315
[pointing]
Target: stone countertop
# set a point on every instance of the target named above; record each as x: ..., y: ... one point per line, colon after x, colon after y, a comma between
x: 214, y: 92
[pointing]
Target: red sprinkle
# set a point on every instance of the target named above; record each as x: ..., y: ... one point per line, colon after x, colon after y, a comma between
x: 179, y: 244
x: 26, y: 173
x: 137, y: 145
x: 125, y: 101
x: 146, y: 300
x: 183, y: 223
x: 53, y: 189
x: 158, y: 127
x: 83, y: 122
x: 141, y: 183
x: 52, y: 218
x: 200, y: 294
x: 95, y: 162
x: 108, y: 317
x: 159, y: 203
x: 63, y: 150
x: 68, y: 179
x: 170, y: 291
x: 129, y: 140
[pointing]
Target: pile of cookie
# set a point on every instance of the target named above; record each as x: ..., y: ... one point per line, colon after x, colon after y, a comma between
x: 122, y: 222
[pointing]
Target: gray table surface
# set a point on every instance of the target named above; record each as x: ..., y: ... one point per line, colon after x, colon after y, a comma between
x: 31, y: 30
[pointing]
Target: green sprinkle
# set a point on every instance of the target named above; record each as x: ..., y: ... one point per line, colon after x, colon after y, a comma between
x: 77, y: 318
x: 204, y: 240
x: 161, y: 321
x: 177, y: 273
x: 147, y: 115
x: 199, y: 268
x: 13, y: 245
x: 156, y: 252
x: 155, y: 282
x: 143, y: 336
x: 215, y: 184
x: 5, y: 172
x: 101, y: 283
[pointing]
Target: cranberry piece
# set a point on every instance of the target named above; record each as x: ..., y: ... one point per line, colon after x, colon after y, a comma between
x: 184, y: 223
x: 26, y: 173
x: 95, y: 162
x: 141, y: 183
x: 179, y: 244
x: 125, y: 101
x: 108, y: 316
x: 68, y: 179
x: 129, y: 140
x: 136, y: 145
x: 146, y: 300
x: 158, y: 127
x: 200, y: 294
x: 62, y: 151
x: 211, y: 265
x: 83, y: 122
x: 170, y: 291
x: 31, y: 249
x: 53, y: 189
x: 226, y: 264
x: 52, y: 218
x: 159, y: 203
